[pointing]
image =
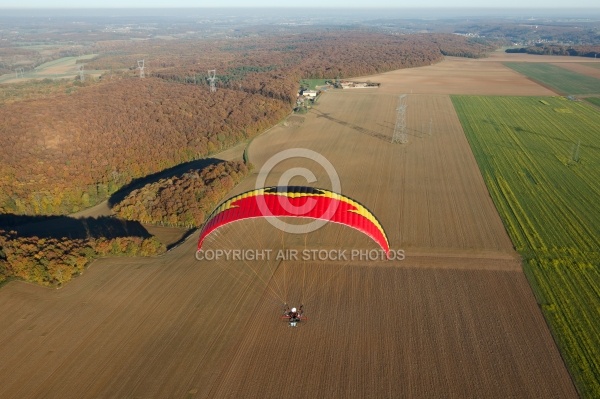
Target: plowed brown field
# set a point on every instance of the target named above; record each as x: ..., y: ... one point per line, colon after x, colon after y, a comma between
x: 406, y: 332
x: 456, y: 318
x: 487, y: 76
x: 581, y: 68
x: 461, y: 76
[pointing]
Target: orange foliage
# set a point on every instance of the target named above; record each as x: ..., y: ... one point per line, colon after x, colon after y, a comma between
x: 71, y: 151
x: 51, y: 261
x: 185, y: 200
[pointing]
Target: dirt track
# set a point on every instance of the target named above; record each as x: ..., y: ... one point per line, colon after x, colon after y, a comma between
x: 455, y: 319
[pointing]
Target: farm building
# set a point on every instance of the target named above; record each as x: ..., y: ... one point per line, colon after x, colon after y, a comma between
x: 309, y: 93
x: 357, y: 85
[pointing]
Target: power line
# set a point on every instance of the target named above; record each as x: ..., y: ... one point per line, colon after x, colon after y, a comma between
x: 400, y: 135
x: 141, y: 68
x: 430, y: 124
x: 212, y: 76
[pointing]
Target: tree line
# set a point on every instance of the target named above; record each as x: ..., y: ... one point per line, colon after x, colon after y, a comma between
x: 182, y: 201
x: 53, y: 261
x: 558, y: 49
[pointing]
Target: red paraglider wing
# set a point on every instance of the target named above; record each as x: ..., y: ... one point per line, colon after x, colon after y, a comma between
x: 296, y: 201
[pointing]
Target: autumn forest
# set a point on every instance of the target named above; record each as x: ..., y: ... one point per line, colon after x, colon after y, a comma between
x: 72, y: 144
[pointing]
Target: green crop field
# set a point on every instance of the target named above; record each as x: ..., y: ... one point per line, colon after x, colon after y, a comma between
x: 593, y: 100
x: 559, y: 79
x: 550, y: 205
x: 61, y: 68
x: 313, y: 83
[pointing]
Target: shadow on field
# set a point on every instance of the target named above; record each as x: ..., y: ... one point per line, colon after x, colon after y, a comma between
x: 357, y: 128
x: 67, y: 227
x: 178, y: 170
x: 104, y: 226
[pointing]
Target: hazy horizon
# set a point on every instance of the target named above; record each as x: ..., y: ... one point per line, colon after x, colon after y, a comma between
x: 367, y: 12
x: 126, y: 5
